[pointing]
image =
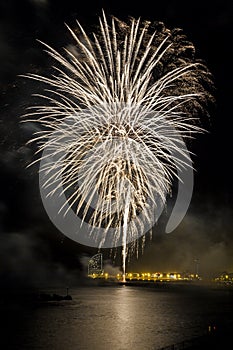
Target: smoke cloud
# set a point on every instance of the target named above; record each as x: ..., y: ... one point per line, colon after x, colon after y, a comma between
x: 26, y: 261
x: 201, y: 239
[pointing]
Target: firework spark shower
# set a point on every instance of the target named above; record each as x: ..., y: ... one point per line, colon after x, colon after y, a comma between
x: 114, y: 123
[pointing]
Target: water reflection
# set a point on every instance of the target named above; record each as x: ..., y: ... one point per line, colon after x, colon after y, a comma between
x: 119, y: 318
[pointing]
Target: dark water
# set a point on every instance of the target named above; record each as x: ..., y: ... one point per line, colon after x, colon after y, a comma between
x: 115, y: 317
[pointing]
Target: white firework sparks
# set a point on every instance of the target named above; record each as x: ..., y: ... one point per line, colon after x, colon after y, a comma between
x: 114, y: 127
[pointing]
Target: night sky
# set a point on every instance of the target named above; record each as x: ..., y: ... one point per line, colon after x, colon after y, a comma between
x: 32, y: 251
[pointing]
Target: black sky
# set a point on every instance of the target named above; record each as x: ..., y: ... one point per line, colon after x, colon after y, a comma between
x: 31, y: 249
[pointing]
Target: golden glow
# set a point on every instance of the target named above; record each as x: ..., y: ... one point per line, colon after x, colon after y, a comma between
x: 157, y: 276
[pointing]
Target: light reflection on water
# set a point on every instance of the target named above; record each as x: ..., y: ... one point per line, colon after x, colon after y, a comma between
x: 121, y: 318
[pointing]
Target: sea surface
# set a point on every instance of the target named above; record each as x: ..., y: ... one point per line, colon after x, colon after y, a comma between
x: 115, y: 317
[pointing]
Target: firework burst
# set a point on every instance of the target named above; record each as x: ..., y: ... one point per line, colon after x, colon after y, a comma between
x: 116, y: 112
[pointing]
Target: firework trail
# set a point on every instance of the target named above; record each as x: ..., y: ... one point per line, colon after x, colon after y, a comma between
x: 115, y: 110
